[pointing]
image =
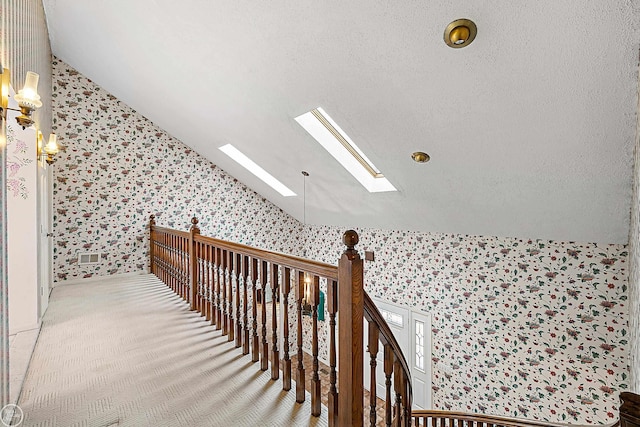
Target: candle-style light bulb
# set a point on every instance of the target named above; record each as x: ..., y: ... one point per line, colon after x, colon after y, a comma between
x: 51, y: 149
x: 28, y: 95
x: 52, y: 146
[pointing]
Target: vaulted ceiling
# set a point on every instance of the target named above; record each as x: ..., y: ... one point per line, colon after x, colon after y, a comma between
x: 530, y: 129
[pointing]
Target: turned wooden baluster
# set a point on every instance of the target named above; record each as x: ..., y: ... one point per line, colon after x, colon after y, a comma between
x: 406, y: 402
x: 286, y: 363
x: 176, y: 261
x: 398, y: 386
x: 350, y: 328
x: 173, y: 263
x: 300, y: 395
x: 214, y: 268
x: 238, y: 271
x: 199, y: 278
x: 182, y: 268
x: 171, y: 240
x: 374, y: 335
x: 163, y: 260
x: 152, y: 263
x: 217, y: 265
x: 209, y: 283
x: 332, y: 308
x: 388, y: 371
x: 264, y: 355
x: 275, y: 352
x: 223, y: 293
x: 167, y: 263
x: 316, y: 403
x: 255, y: 346
x: 203, y: 279
x: 232, y: 276
x: 245, y: 302
x: 177, y: 265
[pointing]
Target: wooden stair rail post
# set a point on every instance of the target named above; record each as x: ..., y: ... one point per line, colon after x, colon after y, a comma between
x: 350, y: 333
x: 193, y: 263
x: 629, y: 410
x: 316, y: 405
x: 152, y: 222
x: 286, y: 362
x: 332, y: 307
x: 300, y: 377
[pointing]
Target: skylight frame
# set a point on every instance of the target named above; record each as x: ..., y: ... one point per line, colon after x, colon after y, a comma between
x: 335, y: 140
x: 244, y: 161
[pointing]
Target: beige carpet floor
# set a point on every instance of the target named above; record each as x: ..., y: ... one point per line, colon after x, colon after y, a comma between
x: 128, y: 352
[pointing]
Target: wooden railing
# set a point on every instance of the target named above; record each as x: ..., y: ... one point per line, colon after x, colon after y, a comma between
x: 227, y: 282
x: 224, y: 282
x: 629, y: 417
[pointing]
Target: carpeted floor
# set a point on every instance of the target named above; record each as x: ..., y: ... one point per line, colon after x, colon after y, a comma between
x: 128, y: 352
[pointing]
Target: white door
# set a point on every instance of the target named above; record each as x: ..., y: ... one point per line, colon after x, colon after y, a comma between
x: 412, y: 330
x: 420, y: 359
x: 398, y: 320
x: 44, y: 256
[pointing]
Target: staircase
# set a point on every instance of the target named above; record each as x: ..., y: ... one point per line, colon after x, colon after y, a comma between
x: 226, y: 283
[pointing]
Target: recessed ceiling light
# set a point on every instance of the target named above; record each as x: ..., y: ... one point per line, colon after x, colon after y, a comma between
x: 460, y: 33
x: 328, y: 134
x: 420, y: 157
x: 252, y: 167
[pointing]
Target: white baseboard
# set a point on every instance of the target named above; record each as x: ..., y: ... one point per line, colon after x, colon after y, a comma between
x: 84, y: 280
x: 16, y: 329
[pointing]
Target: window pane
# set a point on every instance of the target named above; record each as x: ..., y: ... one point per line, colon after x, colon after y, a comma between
x: 419, y: 359
x: 392, y: 318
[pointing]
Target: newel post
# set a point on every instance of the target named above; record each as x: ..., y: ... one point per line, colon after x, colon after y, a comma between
x: 152, y: 222
x: 193, y: 263
x: 350, y: 334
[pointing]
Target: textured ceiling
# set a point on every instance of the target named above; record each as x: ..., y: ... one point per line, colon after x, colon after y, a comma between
x: 530, y: 129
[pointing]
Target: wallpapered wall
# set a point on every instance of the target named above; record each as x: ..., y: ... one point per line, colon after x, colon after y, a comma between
x: 116, y: 168
x: 533, y: 329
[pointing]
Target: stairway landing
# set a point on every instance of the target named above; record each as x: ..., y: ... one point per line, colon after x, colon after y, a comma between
x: 126, y: 351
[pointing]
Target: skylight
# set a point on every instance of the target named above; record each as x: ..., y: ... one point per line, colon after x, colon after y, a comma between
x: 327, y: 132
x: 253, y: 167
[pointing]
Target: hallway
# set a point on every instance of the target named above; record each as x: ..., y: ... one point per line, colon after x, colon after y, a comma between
x: 128, y: 352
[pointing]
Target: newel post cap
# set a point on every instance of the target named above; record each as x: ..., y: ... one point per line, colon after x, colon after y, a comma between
x: 350, y: 239
x: 194, y: 225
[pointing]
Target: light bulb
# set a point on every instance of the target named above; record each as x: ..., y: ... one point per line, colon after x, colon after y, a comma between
x: 28, y: 95
x: 52, y: 146
x: 459, y: 35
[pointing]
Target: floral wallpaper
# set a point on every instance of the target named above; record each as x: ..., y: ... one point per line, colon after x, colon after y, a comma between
x: 18, y: 157
x: 116, y: 168
x: 532, y: 329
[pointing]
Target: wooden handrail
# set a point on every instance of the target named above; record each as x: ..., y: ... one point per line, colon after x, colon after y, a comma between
x: 214, y: 277
x: 293, y: 262
x: 432, y: 417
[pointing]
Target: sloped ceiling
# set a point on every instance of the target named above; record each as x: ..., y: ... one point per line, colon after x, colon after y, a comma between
x: 531, y: 128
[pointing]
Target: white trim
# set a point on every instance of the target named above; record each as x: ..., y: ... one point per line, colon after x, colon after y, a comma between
x: 91, y: 279
x: 13, y: 330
